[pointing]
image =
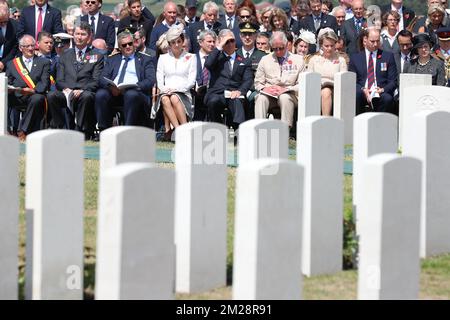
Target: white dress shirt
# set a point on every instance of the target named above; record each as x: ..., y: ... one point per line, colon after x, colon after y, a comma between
x: 130, y: 74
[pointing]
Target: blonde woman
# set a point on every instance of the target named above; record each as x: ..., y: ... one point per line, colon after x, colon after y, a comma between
x: 327, y: 63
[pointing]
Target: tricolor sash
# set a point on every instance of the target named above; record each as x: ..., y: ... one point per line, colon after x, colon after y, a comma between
x: 23, y: 72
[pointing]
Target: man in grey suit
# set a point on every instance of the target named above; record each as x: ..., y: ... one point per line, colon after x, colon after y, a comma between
x: 77, y: 81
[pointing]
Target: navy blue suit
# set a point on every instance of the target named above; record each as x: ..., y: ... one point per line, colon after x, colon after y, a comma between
x: 241, y: 79
x: 326, y: 21
x: 200, y: 110
x: 156, y: 33
x: 194, y: 30
x: 105, y: 30
x: 135, y: 102
x: 27, y: 24
x: 386, y: 78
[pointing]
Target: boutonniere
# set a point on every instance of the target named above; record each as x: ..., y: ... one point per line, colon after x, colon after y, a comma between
x: 336, y: 61
x: 364, y: 25
x: 188, y: 57
x: 405, y: 16
x: 379, y: 56
x: 239, y: 58
x: 290, y: 61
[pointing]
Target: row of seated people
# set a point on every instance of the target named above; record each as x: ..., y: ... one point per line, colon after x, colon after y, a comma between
x: 246, y: 82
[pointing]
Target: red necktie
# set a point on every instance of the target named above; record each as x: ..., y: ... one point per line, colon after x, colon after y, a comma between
x: 370, y: 73
x: 39, y: 23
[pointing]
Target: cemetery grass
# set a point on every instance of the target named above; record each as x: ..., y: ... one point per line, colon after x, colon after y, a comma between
x: 435, y: 274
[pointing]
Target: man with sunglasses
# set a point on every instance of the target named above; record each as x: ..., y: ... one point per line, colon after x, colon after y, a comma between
x: 277, y: 80
x: 77, y: 79
x: 230, y: 79
x: 102, y: 26
x: 127, y: 67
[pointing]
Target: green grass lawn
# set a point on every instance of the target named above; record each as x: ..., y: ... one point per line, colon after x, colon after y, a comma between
x: 435, y: 275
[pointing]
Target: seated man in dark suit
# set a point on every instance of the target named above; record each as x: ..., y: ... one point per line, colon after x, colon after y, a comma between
x: 207, y: 42
x: 210, y: 12
x: 317, y: 20
x: 102, y: 26
x: 231, y: 78
x: 376, y: 74
x: 127, y: 67
x: 39, y: 17
x: 30, y: 77
x: 8, y: 39
x: 77, y: 80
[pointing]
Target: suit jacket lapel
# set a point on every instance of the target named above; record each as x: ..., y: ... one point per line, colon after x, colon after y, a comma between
x: 137, y: 62
x: 46, y: 18
x: 99, y: 24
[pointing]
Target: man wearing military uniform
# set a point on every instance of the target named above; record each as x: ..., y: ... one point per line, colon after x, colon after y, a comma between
x: 443, y: 50
x: 250, y: 53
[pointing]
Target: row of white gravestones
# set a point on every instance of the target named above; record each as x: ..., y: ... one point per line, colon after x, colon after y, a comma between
x: 54, y: 215
x: 9, y: 221
x: 374, y: 133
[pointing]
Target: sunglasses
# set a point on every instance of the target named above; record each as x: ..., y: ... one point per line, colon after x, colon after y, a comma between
x: 278, y: 49
x: 230, y: 41
x: 128, y: 44
x: 261, y: 43
x: 90, y: 2
x: 245, y: 17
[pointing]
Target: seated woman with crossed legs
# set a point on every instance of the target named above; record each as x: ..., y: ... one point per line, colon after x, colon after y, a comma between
x: 175, y: 74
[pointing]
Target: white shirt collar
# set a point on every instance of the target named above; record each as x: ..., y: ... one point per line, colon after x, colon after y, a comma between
x: 400, y: 11
x: 244, y: 52
x: 44, y: 9
x: 95, y: 15
x: 232, y: 56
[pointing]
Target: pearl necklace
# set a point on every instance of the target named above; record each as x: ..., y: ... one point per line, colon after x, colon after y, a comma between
x: 423, y: 64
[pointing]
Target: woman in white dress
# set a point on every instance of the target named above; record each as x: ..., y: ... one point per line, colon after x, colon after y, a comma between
x: 175, y: 76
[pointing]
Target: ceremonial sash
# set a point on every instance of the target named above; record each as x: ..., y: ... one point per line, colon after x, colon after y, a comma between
x: 23, y: 72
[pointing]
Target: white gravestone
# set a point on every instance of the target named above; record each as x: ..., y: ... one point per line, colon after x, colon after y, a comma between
x: 320, y: 150
x: 3, y: 104
x: 389, y: 263
x: 309, y: 96
x: 54, y: 206
x: 201, y: 207
x: 268, y: 230
x: 428, y: 139
x: 126, y: 144
x: 261, y: 138
x: 344, y: 102
x: 135, y: 240
x: 420, y: 98
x: 9, y: 217
x: 374, y: 132
x: 409, y: 80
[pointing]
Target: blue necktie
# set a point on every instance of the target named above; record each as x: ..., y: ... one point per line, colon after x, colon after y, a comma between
x: 124, y: 69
